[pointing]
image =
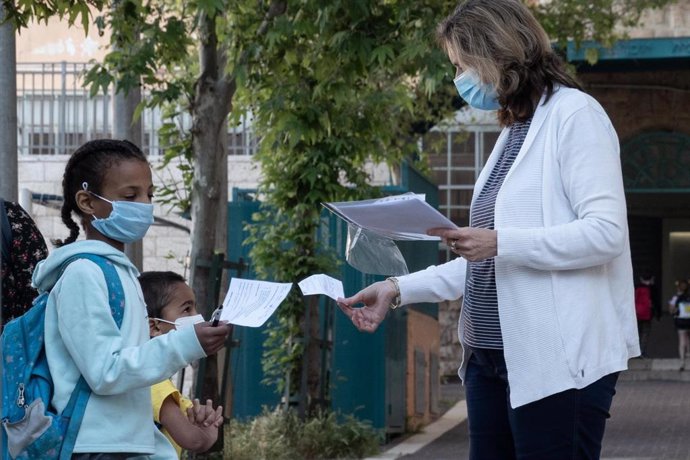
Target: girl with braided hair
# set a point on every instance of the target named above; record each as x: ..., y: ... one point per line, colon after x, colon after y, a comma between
x: 107, y: 185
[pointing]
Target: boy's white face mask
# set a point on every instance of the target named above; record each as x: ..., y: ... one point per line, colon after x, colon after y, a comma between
x: 184, y: 321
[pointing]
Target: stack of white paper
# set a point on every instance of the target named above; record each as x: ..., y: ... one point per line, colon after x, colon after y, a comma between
x: 400, y: 217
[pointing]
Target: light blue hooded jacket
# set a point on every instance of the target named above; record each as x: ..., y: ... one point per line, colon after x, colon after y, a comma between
x: 119, y: 365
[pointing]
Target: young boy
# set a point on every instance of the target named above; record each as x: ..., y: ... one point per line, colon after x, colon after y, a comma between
x: 171, y: 305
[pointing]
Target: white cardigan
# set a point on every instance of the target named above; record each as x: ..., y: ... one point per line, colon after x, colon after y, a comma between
x: 563, y: 270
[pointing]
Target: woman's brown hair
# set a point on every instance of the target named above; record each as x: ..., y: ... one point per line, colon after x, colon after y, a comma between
x: 504, y: 43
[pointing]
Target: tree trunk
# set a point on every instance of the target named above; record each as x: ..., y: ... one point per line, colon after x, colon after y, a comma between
x: 8, y: 109
x: 212, y: 104
x: 125, y: 127
x: 312, y: 355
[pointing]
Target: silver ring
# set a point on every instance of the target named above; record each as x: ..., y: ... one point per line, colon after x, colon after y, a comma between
x: 452, y: 245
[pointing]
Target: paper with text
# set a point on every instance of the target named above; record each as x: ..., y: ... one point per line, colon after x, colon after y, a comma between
x: 399, y: 217
x: 322, y: 284
x: 251, y: 303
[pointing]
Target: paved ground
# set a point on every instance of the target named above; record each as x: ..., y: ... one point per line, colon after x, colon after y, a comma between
x: 663, y: 338
x: 650, y: 420
x: 650, y: 413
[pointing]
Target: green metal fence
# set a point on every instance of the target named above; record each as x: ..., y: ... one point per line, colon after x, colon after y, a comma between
x: 366, y: 373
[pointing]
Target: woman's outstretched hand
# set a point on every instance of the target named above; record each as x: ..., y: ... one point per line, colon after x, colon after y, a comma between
x: 376, y: 298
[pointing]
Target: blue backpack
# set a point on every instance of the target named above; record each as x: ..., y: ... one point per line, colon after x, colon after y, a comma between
x: 32, y: 428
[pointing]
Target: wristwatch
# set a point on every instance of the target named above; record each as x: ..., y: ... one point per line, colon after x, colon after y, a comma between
x: 396, y: 300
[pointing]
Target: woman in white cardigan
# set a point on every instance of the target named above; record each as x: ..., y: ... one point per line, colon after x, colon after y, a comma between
x: 548, y: 316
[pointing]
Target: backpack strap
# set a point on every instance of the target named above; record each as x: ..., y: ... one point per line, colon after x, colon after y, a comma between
x: 116, y: 293
x: 6, y: 232
x: 74, y: 411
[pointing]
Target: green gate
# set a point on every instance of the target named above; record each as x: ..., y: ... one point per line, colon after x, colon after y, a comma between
x: 366, y: 373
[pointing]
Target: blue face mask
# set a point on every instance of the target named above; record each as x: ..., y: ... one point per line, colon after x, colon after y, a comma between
x: 128, y: 221
x: 475, y: 93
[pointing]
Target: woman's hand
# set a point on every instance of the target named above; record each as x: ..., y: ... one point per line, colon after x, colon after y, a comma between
x: 376, y: 298
x: 473, y: 244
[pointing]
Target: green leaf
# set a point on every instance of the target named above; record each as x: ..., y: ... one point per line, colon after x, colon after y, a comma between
x: 591, y: 55
x: 382, y: 54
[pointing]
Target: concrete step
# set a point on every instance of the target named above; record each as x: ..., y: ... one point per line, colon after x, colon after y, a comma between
x: 668, y: 369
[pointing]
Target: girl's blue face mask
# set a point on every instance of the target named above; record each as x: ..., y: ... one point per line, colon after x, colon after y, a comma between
x: 475, y: 93
x: 128, y: 221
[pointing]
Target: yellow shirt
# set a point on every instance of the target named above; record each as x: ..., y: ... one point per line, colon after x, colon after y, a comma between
x: 159, y: 393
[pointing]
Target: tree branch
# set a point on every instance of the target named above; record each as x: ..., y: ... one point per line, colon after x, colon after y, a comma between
x: 208, y: 49
x: 276, y: 8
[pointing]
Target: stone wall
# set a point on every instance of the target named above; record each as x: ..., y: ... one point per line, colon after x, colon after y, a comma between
x: 671, y: 21
x: 450, y: 351
x: 165, y: 247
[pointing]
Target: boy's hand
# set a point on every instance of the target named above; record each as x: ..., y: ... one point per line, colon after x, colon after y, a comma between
x: 212, y: 338
x: 204, y: 415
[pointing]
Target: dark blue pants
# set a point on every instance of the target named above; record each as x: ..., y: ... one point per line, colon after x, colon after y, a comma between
x: 564, y: 426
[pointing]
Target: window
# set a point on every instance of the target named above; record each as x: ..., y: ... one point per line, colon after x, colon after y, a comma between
x: 457, y: 155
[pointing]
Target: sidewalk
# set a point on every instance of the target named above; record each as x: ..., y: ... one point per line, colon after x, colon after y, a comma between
x: 650, y: 420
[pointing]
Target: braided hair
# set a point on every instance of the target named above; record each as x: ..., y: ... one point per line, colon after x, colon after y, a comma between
x: 90, y: 163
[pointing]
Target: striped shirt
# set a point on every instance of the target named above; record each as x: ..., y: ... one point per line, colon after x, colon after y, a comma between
x: 480, y: 306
